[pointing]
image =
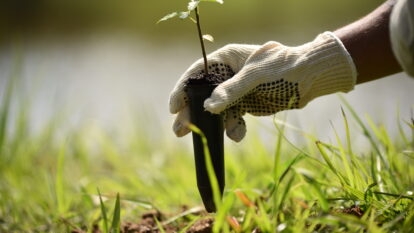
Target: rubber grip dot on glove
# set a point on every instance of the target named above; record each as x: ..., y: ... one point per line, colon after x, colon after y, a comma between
x: 269, y: 98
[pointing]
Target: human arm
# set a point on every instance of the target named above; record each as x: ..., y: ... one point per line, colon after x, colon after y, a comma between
x: 368, y: 42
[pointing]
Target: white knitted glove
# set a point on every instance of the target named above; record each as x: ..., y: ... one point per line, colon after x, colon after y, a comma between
x: 268, y: 79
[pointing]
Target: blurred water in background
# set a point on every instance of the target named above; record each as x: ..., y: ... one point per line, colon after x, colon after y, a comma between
x: 93, y: 67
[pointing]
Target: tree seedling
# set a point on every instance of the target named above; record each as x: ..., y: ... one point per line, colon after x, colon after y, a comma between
x: 198, y: 89
x: 193, y: 7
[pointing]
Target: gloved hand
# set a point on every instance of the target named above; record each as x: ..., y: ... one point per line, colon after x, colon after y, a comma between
x: 267, y: 79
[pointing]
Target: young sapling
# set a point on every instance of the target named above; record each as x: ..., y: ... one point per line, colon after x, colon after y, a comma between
x: 193, y: 7
x: 198, y: 89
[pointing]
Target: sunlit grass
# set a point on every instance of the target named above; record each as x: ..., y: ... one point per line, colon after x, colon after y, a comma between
x: 50, y: 182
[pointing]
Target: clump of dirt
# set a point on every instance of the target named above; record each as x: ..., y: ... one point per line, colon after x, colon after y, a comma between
x: 203, y: 79
x: 352, y: 210
x: 204, y: 225
x: 147, y: 224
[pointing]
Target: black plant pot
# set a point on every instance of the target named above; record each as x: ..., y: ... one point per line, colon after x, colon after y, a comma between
x: 212, y: 127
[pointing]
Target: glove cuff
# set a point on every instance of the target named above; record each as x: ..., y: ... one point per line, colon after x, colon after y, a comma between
x: 331, y: 68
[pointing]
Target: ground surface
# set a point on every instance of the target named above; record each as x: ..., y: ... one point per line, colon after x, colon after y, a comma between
x: 150, y: 221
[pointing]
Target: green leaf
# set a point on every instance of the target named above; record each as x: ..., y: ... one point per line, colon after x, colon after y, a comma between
x: 183, y: 14
x: 192, y: 5
x: 169, y: 16
x: 218, y: 1
x: 208, y: 37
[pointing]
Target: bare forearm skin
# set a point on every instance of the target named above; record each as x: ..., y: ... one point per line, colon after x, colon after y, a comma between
x: 368, y: 42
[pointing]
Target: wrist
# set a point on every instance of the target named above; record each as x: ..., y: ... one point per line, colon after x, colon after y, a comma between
x: 330, y: 68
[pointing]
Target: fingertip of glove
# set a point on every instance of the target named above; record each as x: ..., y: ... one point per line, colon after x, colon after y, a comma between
x: 173, y: 108
x: 235, y: 126
x: 176, y: 102
x: 180, y: 129
x: 237, y: 133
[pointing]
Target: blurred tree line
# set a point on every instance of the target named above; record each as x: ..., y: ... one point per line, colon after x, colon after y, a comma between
x: 234, y: 17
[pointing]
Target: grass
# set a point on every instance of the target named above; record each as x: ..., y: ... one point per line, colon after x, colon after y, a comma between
x: 50, y: 183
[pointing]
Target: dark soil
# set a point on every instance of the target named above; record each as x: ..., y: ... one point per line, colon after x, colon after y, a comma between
x: 353, y: 210
x: 150, y: 221
x: 203, y: 79
x: 204, y: 225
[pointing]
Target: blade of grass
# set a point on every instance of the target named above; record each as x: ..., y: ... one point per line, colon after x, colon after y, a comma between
x: 194, y: 210
x: 60, y: 183
x: 219, y: 225
x: 412, y: 129
x: 4, y: 113
x: 365, y: 130
x: 381, y: 134
x: 285, y: 193
x: 401, y: 129
x: 357, y: 166
x: 316, y: 186
x: 159, y: 226
x: 223, y: 211
x: 349, y: 172
x: 386, y: 141
x: 278, y: 123
x: 261, y: 218
x: 295, y: 160
x: 347, y: 132
x: 116, y: 220
x: 5, y: 106
x: 103, y: 213
x: 276, y: 161
x: 320, y: 145
x: 209, y: 166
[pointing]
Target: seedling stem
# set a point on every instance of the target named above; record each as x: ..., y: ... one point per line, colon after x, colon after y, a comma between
x: 200, y: 36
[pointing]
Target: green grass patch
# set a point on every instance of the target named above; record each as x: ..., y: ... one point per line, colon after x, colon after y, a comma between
x: 50, y: 183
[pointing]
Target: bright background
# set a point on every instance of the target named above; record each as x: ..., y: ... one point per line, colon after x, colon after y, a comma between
x: 108, y: 63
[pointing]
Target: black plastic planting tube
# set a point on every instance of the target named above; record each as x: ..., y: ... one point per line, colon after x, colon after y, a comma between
x: 212, y: 127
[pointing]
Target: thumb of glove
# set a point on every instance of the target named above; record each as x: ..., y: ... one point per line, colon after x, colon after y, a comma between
x: 230, y: 92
